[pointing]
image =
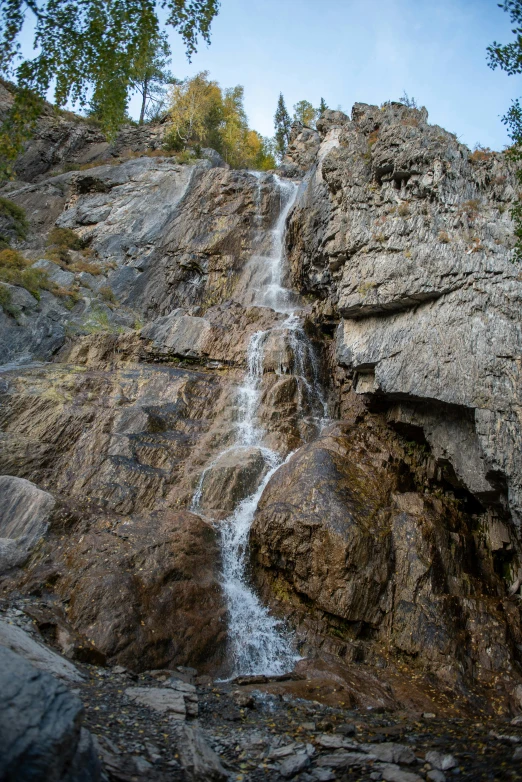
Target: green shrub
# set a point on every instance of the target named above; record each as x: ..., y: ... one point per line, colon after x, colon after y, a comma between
x: 17, y: 220
x: 172, y: 142
x: 107, y: 294
x: 12, y: 259
x: 6, y: 303
x: 99, y: 322
x: 65, y: 239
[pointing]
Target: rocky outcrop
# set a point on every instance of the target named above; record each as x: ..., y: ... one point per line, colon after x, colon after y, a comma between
x: 63, y: 139
x: 19, y: 641
x: 160, y: 236
x: 414, y: 252
x: 144, y: 590
x: 367, y: 563
x: 41, y: 729
x: 388, y: 540
x: 24, y: 517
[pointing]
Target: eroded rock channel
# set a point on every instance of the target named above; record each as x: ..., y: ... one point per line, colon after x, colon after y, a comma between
x: 261, y: 480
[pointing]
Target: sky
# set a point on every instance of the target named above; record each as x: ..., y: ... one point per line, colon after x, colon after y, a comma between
x: 369, y: 51
x: 363, y: 50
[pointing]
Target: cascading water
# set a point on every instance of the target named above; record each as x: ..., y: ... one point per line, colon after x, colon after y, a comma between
x: 258, y: 642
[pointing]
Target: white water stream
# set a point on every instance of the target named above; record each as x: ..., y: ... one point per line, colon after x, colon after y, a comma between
x: 258, y: 642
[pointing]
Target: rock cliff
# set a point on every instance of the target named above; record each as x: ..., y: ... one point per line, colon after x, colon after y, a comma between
x: 389, y: 539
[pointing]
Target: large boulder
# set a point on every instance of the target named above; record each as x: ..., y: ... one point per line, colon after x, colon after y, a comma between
x: 24, y: 518
x: 41, y: 734
x: 156, y: 601
x: 19, y: 641
x: 234, y: 475
x: 343, y: 541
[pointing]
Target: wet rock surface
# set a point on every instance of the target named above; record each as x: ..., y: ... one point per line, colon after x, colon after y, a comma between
x: 342, y: 522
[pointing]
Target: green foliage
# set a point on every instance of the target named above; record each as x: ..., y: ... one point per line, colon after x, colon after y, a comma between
x: 508, y: 57
x: 14, y: 216
x: 99, y: 322
x: 13, y: 269
x: 204, y: 115
x: 16, y: 270
x: 323, y: 106
x: 6, y: 303
x: 91, y: 48
x: 405, y: 99
x: 150, y: 77
x: 107, y: 294
x: 65, y: 238
x: 304, y: 113
x: 282, y: 125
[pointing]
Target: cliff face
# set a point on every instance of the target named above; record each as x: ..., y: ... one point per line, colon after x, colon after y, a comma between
x: 391, y: 536
x: 407, y: 236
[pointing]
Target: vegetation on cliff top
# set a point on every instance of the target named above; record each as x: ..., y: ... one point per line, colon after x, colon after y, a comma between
x: 204, y: 115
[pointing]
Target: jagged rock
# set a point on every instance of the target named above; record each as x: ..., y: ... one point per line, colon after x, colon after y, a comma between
x: 24, y: 518
x: 36, y: 333
x: 163, y: 700
x: 170, y: 612
x: 16, y: 639
x: 40, y: 727
x: 391, y: 773
x: 20, y: 298
x: 414, y: 249
x: 388, y: 752
x: 342, y: 759
x: 234, y: 476
x: 197, y: 759
x: 55, y: 273
x: 442, y: 761
x: 294, y: 764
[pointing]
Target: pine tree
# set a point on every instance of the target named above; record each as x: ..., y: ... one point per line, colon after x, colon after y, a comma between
x: 323, y: 106
x: 282, y: 124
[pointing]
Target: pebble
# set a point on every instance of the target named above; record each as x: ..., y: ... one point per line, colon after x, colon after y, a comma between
x: 389, y: 752
x: 294, y: 764
x: 435, y: 775
x: 441, y: 761
x: 391, y: 773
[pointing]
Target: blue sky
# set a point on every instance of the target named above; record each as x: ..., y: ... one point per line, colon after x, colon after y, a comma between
x: 362, y: 50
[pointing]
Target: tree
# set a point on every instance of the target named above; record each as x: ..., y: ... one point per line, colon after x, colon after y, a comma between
x: 304, y: 113
x: 323, y: 106
x: 86, y: 49
x: 282, y: 124
x: 508, y: 57
x: 405, y: 99
x: 150, y: 75
x: 196, y: 110
x: 203, y: 114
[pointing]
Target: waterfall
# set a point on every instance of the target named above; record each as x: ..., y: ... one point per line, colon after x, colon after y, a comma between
x: 258, y: 642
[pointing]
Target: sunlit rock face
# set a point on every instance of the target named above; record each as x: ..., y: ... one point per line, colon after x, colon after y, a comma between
x: 408, y: 237
x: 391, y: 534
